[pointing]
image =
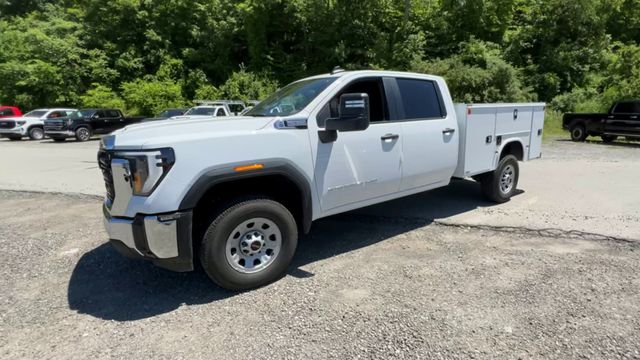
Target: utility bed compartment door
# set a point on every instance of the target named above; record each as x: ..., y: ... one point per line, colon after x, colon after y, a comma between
x: 478, y: 127
x: 537, y: 125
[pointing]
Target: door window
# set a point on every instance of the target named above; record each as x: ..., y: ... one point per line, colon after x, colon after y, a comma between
x: 57, y: 114
x: 627, y: 108
x: 112, y: 114
x: 420, y: 99
x: 373, y: 87
x: 220, y: 112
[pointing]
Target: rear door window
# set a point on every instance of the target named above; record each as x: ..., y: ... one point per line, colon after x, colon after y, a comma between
x: 220, y: 112
x: 420, y: 99
x: 627, y: 108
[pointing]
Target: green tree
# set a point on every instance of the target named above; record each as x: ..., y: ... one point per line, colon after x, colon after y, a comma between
x: 101, y: 96
x: 151, y: 96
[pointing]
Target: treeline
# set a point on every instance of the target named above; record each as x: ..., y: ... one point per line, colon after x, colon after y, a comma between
x: 144, y: 55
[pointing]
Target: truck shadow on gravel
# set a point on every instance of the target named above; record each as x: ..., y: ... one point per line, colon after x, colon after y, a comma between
x: 108, y: 286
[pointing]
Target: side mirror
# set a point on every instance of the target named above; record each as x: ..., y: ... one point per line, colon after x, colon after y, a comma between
x: 353, y: 114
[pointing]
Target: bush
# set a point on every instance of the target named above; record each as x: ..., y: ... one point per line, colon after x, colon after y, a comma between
x: 149, y: 96
x: 101, y: 96
x: 244, y: 85
x: 478, y: 74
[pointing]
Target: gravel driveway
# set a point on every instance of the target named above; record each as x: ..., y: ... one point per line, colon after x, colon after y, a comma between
x: 383, y: 282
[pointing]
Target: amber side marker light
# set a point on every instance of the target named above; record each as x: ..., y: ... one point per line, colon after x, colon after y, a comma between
x: 248, y: 167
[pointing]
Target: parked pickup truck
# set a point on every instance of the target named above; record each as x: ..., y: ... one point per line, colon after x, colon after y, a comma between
x: 84, y: 123
x: 9, y: 111
x: 204, y: 112
x: 621, y: 120
x: 235, y: 193
x: 30, y: 124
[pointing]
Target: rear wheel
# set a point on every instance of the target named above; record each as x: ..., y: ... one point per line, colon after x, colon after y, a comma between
x: 500, y: 185
x: 609, y: 138
x: 36, y: 133
x: 249, y: 244
x: 578, y: 133
x: 83, y: 134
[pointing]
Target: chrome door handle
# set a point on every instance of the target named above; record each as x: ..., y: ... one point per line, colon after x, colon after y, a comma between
x: 388, y: 137
x: 448, y: 131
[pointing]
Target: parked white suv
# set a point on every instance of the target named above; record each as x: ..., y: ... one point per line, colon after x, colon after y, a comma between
x: 236, y: 192
x: 30, y: 124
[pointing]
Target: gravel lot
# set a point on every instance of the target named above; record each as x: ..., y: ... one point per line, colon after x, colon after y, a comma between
x: 555, y: 273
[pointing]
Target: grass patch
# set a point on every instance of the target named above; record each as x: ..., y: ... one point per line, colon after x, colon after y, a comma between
x: 553, y: 125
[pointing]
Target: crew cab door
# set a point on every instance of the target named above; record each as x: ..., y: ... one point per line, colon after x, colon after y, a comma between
x: 115, y: 120
x: 623, y: 119
x: 430, y: 141
x: 360, y: 166
x: 99, y: 122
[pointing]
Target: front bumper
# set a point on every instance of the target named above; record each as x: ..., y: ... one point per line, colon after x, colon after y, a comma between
x: 14, y: 131
x: 164, y: 239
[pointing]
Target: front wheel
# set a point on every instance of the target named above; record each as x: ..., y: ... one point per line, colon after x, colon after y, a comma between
x: 500, y: 185
x: 83, y: 134
x: 36, y: 133
x: 249, y: 244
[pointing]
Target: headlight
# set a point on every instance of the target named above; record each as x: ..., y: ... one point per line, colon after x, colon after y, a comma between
x: 147, y: 168
x: 20, y: 123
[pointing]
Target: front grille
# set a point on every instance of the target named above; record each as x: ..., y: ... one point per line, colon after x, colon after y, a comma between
x: 7, y: 124
x: 104, y: 161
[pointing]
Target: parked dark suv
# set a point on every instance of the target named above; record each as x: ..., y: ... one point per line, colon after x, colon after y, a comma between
x: 84, y: 123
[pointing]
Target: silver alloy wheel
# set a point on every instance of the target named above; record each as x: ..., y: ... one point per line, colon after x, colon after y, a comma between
x: 36, y: 134
x: 253, y: 245
x: 507, y: 178
x: 83, y: 134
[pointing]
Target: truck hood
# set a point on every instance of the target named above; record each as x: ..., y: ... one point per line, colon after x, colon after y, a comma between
x: 166, y: 132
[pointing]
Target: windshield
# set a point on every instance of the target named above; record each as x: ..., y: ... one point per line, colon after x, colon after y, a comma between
x: 291, y: 98
x: 201, y: 111
x: 35, y: 113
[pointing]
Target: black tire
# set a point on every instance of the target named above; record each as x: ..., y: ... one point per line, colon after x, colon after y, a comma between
x: 492, y: 183
x: 58, y: 139
x: 608, y: 138
x: 36, y: 133
x: 83, y: 134
x: 213, y: 249
x: 578, y: 133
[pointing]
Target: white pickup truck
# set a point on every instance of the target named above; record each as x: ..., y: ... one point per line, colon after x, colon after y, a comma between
x: 236, y: 192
